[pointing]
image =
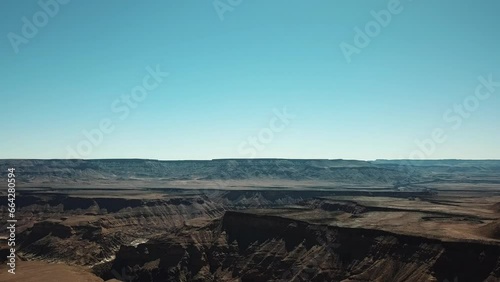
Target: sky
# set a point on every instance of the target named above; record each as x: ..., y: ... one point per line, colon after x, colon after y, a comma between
x: 190, y: 79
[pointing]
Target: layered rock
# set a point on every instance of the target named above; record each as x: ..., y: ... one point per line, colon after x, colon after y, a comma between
x: 249, y: 247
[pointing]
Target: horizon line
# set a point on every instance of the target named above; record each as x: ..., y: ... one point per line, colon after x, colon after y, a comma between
x: 229, y: 159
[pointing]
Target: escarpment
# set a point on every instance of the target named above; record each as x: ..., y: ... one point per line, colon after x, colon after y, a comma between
x: 86, y: 231
x: 261, y: 220
x: 249, y: 247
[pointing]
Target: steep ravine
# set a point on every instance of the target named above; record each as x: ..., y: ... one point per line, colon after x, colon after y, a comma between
x: 249, y: 247
x: 76, y: 231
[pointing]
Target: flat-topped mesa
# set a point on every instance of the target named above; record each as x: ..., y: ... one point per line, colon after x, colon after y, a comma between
x: 110, y: 173
x: 122, y: 173
x: 54, y: 228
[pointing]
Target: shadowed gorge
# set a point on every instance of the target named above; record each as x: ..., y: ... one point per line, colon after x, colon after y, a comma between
x: 262, y: 220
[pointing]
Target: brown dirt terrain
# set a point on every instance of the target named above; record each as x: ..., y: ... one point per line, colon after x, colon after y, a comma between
x: 36, y: 271
x: 263, y: 220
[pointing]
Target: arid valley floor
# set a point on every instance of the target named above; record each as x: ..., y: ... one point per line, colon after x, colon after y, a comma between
x: 254, y: 220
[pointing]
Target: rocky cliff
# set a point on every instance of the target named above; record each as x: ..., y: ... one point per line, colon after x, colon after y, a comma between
x: 249, y: 247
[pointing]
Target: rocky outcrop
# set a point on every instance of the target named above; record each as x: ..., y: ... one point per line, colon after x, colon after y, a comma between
x: 45, y: 228
x: 249, y: 247
x: 93, y: 235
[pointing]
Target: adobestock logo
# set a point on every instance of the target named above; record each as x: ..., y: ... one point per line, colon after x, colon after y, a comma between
x: 454, y: 117
x: 122, y: 107
x: 363, y: 37
x: 31, y: 27
x: 254, y: 144
x: 461, y: 111
x: 223, y: 6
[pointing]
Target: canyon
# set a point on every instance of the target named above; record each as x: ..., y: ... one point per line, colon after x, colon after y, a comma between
x: 255, y: 220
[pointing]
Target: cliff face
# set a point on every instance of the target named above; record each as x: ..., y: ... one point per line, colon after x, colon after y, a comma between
x: 306, y: 232
x: 86, y: 231
x: 249, y: 247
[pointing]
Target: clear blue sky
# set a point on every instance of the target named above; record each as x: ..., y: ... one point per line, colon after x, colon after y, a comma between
x: 226, y: 77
